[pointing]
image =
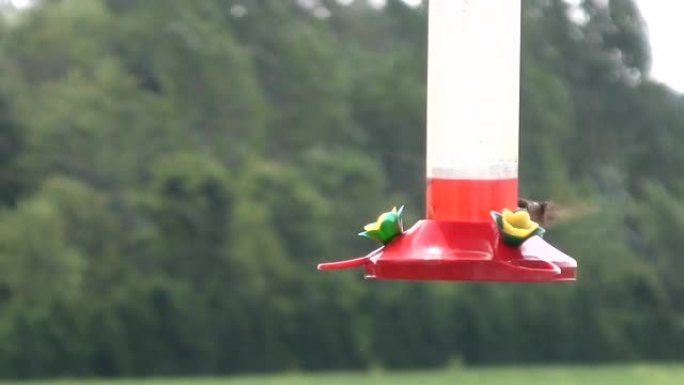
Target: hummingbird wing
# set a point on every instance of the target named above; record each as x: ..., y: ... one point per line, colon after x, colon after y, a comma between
x: 560, y: 213
x: 552, y: 213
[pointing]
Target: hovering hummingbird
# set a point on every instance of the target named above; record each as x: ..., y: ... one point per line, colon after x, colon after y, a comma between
x: 549, y: 214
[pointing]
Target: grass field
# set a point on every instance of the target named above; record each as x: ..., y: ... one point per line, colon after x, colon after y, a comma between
x: 552, y: 375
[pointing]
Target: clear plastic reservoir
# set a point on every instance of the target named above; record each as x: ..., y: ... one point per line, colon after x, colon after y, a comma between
x: 473, y: 107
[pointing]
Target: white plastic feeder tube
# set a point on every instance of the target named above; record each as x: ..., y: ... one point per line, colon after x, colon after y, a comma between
x: 473, y: 89
x: 472, y: 107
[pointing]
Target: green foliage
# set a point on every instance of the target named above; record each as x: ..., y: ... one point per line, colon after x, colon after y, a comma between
x: 172, y: 171
x: 11, y: 145
x: 562, y: 375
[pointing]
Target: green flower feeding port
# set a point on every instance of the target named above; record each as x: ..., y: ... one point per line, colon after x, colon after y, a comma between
x: 472, y: 162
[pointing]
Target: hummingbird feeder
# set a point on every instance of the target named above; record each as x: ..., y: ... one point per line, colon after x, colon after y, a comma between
x: 470, y: 234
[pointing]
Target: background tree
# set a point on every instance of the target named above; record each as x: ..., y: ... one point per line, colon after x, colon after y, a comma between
x: 172, y: 171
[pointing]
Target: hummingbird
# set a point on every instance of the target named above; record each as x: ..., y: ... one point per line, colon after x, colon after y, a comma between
x: 549, y: 213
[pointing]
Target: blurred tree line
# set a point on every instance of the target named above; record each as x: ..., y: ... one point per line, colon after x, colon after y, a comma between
x: 172, y: 171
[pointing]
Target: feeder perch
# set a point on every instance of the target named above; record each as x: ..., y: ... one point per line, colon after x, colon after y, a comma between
x: 472, y: 161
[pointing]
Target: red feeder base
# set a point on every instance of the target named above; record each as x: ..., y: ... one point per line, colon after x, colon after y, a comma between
x: 461, y: 251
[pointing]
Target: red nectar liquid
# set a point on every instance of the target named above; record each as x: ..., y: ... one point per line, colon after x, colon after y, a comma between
x: 469, y: 200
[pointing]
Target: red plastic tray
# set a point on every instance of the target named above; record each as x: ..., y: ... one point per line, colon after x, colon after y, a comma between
x: 462, y: 251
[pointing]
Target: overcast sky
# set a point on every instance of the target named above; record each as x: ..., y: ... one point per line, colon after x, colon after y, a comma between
x: 665, y: 19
